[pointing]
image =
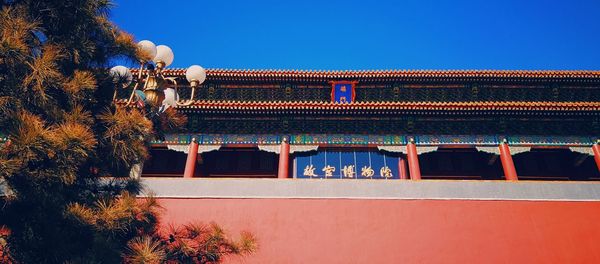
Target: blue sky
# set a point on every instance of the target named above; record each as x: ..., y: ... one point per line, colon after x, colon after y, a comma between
x: 309, y: 34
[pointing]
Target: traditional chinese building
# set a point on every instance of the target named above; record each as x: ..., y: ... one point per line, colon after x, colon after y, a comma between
x: 389, y: 166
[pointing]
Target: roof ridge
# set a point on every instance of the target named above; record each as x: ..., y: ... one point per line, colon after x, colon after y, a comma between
x: 285, y: 70
x: 388, y: 73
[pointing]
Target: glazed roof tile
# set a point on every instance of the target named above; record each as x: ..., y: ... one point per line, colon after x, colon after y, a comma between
x: 469, y: 106
x: 256, y: 74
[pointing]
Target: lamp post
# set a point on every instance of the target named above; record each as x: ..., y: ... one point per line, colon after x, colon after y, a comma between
x: 152, y: 87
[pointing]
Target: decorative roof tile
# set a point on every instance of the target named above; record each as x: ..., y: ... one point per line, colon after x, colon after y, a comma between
x: 458, y: 106
x: 381, y: 75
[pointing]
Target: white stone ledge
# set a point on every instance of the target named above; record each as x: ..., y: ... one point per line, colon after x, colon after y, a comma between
x: 372, y: 189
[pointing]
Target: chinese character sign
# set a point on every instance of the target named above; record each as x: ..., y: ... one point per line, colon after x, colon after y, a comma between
x: 348, y: 171
x: 329, y: 170
x: 342, y: 92
x: 367, y: 172
x: 309, y: 171
x: 352, y: 164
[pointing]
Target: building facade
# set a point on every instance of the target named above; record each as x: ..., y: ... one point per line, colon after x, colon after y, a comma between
x: 389, y: 166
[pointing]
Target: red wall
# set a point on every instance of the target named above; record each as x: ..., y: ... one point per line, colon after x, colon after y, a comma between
x: 404, y: 231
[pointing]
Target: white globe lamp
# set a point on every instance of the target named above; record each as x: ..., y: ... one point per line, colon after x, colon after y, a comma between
x: 164, y: 56
x: 122, y: 75
x: 147, y: 49
x: 195, y: 75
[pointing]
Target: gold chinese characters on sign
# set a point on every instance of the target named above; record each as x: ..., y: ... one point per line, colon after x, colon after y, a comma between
x: 367, y: 171
x: 309, y: 171
x: 348, y: 171
x: 385, y: 172
x: 329, y: 170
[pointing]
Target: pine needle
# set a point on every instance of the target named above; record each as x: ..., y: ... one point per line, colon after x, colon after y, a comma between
x: 44, y: 72
x: 81, y: 81
x: 145, y: 250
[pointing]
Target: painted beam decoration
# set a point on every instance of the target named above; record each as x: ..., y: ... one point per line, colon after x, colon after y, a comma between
x: 348, y: 139
x: 375, y: 140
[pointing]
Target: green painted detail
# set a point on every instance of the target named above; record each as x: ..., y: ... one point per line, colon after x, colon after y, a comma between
x: 380, y: 140
x: 394, y: 92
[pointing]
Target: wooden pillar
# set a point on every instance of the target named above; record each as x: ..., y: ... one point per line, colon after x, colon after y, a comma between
x: 190, y: 163
x: 510, y: 173
x: 284, y: 159
x: 413, y: 160
x: 596, y: 149
x: 402, y: 168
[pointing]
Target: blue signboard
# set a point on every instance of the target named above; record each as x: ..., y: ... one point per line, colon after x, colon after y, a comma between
x: 362, y: 164
x: 342, y: 92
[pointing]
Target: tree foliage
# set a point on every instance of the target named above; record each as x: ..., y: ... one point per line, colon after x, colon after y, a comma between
x: 65, y: 194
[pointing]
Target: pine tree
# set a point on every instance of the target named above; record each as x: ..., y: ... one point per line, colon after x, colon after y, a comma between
x: 65, y: 194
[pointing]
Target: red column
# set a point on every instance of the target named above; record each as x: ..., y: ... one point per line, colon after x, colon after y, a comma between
x: 190, y: 163
x: 596, y: 149
x: 284, y: 158
x: 413, y: 160
x: 402, y: 168
x: 510, y: 173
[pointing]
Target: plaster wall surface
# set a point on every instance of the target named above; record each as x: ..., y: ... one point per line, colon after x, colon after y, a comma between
x: 300, y: 221
x: 403, y: 231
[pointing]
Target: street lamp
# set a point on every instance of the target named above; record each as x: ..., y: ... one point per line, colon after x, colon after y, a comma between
x: 195, y: 75
x: 153, y: 87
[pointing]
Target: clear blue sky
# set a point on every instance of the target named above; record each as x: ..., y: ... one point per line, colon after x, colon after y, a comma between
x: 308, y: 34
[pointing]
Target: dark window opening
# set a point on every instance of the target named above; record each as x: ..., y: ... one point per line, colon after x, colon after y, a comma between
x: 460, y: 164
x: 555, y: 165
x: 237, y: 162
x: 164, y: 163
